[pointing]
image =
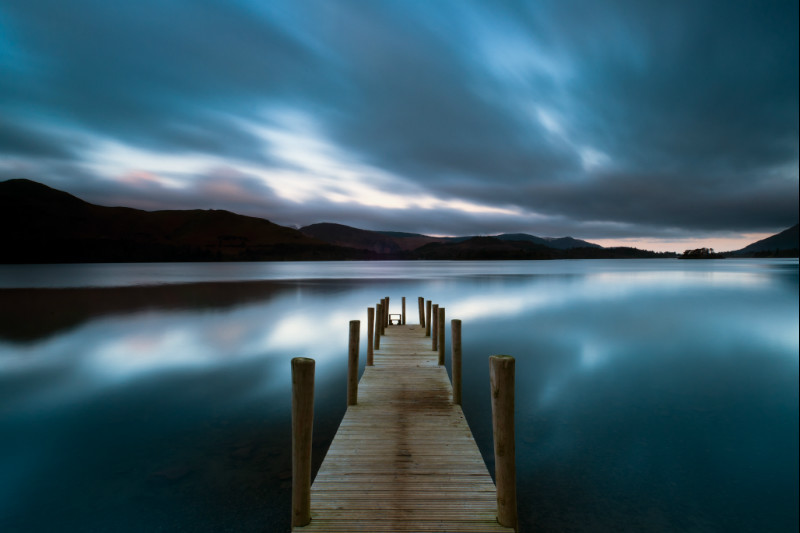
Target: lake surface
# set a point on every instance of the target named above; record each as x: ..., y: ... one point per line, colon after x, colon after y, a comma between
x: 652, y: 395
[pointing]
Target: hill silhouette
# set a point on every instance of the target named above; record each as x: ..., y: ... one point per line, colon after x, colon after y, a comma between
x: 783, y: 244
x: 562, y: 243
x: 395, y: 242
x: 481, y: 248
x: 47, y: 225
x: 361, y: 239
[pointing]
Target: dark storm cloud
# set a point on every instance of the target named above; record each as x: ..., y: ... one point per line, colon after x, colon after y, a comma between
x: 712, y: 84
x: 695, y: 103
x: 421, y: 103
x: 166, y: 76
x: 649, y: 200
x: 626, y: 118
x: 19, y: 138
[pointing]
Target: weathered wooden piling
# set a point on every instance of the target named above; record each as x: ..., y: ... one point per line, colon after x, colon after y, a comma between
x: 435, y: 328
x: 352, y: 362
x: 428, y: 318
x: 370, y: 335
x: 385, y: 314
x: 378, y: 313
x: 455, y: 358
x: 403, y: 315
x: 421, y: 302
x: 501, y: 377
x: 440, y: 335
x: 302, y: 426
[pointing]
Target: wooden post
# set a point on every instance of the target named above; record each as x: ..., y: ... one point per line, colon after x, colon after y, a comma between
x: 302, y: 425
x: 428, y: 319
x: 455, y: 358
x: 440, y: 335
x: 403, y: 316
x: 501, y: 377
x: 352, y: 363
x: 435, y: 328
x: 378, y: 314
x: 370, y: 335
x: 421, y: 302
x: 384, y: 311
x: 387, y: 311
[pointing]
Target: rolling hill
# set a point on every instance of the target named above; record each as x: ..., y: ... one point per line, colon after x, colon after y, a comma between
x: 41, y: 224
x: 783, y: 244
x: 484, y: 248
x: 360, y: 239
x: 561, y: 243
x: 395, y: 242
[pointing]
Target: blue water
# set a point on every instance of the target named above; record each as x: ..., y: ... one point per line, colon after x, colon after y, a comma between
x: 652, y: 395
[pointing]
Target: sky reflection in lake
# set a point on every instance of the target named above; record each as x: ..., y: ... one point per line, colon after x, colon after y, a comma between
x: 652, y: 395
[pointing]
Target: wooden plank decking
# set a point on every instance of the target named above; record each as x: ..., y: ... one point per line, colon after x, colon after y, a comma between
x: 404, y: 458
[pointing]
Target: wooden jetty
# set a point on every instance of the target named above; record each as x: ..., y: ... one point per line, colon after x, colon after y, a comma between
x: 403, y: 458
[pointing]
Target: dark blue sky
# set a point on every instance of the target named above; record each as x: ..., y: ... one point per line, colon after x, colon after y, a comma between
x: 648, y: 123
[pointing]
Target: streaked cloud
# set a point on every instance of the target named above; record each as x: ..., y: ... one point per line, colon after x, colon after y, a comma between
x: 631, y: 120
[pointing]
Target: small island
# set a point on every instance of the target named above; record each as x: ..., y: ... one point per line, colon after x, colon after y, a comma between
x: 701, y: 253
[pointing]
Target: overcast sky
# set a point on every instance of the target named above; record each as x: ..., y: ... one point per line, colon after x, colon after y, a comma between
x: 659, y: 124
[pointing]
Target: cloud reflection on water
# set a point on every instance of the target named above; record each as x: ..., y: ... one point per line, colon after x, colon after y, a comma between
x: 630, y: 375
x: 301, y: 321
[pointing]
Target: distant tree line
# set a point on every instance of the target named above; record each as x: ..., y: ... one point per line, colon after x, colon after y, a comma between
x: 701, y: 253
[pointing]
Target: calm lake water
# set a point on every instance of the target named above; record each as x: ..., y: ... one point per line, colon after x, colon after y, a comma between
x: 652, y: 395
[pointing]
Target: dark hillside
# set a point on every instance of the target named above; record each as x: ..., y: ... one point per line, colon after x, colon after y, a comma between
x: 41, y: 224
x: 341, y: 235
x: 783, y: 244
x: 481, y: 248
x: 561, y: 243
x: 485, y: 248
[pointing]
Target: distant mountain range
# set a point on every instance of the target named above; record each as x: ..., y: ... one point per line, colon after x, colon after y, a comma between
x: 392, y: 242
x: 44, y: 225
